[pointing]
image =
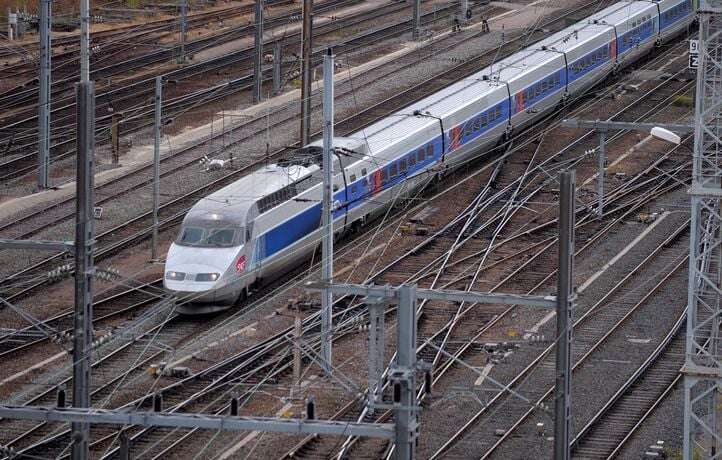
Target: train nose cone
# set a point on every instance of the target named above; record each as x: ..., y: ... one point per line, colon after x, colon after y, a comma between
x: 192, y: 277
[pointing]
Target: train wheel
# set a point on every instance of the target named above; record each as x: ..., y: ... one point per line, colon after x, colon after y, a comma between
x: 242, y: 296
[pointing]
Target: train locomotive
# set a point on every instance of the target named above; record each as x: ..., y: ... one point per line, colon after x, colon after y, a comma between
x: 258, y: 227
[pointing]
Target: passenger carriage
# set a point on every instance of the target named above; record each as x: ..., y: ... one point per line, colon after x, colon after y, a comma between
x: 270, y: 221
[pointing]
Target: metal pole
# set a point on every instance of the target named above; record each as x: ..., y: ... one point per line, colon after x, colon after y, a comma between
x: 601, y: 160
x: 124, y: 451
x: 115, y: 136
x: 327, y: 248
x: 83, y: 321
x: 183, y: 30
x: 258, y: 56
x: 306, y: 71
x: 416, y: 20
x: 463, y: 8
x: 156, y: 165
x: 277, y: 67
x: 12, y: 21
x: 44, y: 96
x: 404, y: 373
x: 84, y: 41
x: 298, y: 331
x: 562, y: 395
x: 376, y: 351
x: 703, y: 363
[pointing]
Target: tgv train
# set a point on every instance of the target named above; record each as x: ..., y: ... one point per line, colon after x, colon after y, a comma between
x: 269, y: 221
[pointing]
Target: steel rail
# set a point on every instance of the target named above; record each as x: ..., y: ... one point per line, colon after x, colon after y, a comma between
x: 594, y: 347
x: 142, y: 88
x: 342, y: 126
x: 413, y: 251
x: 173, y: 106
x: 193, y: 20
x: 585, y: 434
x: 56, y: 320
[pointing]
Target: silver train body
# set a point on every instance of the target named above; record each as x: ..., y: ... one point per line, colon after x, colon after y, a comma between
x: 269, y: 221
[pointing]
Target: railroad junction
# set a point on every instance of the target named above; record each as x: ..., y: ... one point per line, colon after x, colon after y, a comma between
x: 476, y: 208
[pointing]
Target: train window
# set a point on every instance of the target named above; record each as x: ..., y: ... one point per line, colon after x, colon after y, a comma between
x: 420, y: 155
x: 191, y: 235
x: 353, y: 177
x: 221, y: 237
x: 483, y: 120
x: 429, y: 151
x: 498, y: 112
x: 402, y: 166
x: 412, y: 160
x: 477, y: 123
x: 363, y: 171
x: 394, y: 170
x: 384, y: 175
x: 335, y: 187
x: 353, y: 189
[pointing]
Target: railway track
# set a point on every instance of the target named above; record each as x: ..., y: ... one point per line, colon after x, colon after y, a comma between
x: 590, y: 339
x: 218, y: 408
x: 158, y: 449
x: 62, y: 88
x: 110, y: 36
x: 604, y: 436
x: 464, y: 279
x: 59, y: 327
x: 132, y: 97
x: 174, y: 209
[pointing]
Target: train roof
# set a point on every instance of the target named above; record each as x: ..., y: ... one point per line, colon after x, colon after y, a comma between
x: 420, y: 115
x: 619, y: 13
x: 232, y: 202
x: 518, y: 64
x: 572, y: 37
x: 666, y: 4
x: 487, y: 83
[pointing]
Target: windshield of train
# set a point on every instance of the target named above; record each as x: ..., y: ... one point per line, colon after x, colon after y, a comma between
x: 210, y: 236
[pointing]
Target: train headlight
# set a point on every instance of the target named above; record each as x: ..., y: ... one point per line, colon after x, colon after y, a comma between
x: 175, y: 276
x: 207, y: 276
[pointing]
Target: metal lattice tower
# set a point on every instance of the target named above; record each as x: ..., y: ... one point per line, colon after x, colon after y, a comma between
x: 703, y: 363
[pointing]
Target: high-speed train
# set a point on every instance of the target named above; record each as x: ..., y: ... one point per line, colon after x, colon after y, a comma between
x: 258, y: 227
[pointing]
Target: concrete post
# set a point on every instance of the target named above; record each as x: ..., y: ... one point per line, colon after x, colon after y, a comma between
x: 404, y: 373
x: 327, y: 245
x: 115, y: 136
x: 416, y: 20
x: 12, y: 24
x: 562, y: 394
x: 83, y: 321
x: 306, y: 71
x: 44, y: 95
x: 84, y: 41
x: 376, y: 350
x: 298, y: 331
x: 258, y: 55
x: 124, y: 451
x: 156, y: 165
x: 183, y: 30
x: 601, y: 160
x: 277, y: 57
